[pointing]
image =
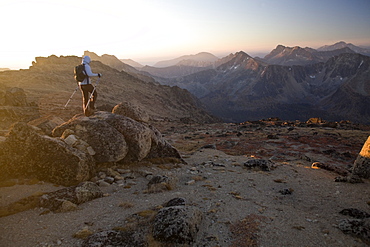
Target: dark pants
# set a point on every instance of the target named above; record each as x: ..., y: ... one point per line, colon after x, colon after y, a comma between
x: 86, y: 92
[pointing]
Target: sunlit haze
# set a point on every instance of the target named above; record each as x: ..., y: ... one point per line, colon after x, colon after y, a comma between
x: 151, y: 30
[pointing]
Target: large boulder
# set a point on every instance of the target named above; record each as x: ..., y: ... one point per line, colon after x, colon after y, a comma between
x: 108, y: 143
x: 361, y: 166
x: 137, y: 135
x: 130, y: 110
x: 160, y: 147
x: 117, y: 138
x: 28, y: 152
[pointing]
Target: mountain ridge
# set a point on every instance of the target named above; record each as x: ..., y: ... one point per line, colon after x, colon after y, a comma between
x: 246, y: 88
x: 202, y: 59
x: 49, y: 83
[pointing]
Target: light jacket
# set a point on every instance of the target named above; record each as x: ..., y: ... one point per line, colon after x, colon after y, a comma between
x: 86, y: 61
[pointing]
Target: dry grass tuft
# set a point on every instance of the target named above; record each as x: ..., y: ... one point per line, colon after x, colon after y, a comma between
x: 245, y: 231
x: 126, y: 205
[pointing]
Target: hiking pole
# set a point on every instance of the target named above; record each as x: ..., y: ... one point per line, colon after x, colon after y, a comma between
x: 92, y: 93
x: 71, y: 97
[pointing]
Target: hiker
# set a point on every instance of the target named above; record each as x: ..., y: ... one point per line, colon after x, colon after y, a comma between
x: 87, y: 88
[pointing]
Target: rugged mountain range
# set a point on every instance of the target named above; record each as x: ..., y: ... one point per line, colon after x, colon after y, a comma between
x: 49, y: 83
x: 245, y: 88
x: 184, y: 66
x: 181, y: 66
x: 283, y: 55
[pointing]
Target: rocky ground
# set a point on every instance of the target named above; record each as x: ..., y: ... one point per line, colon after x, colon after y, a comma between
x: 291, y: 204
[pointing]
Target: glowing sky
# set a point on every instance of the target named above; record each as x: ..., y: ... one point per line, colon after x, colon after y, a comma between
x: 151, y: 30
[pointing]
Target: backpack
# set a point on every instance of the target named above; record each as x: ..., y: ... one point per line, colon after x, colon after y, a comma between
x: 80, y: 73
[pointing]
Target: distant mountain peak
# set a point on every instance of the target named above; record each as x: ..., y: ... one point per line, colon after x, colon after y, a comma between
x: 203, y: 59
x: 342, y: 45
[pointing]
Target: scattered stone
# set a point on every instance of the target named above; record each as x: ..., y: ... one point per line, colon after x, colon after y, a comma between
x: 123, y: 171
x: 356, y: 213
x: 179, y: 201
x: 109, y: 180
x: 260, y: 164
x: 161, y: 183
x: 353, y: 179
x: 286, y: 191
x: 84, y: 192
x: 209, y: 146
x: 102, y: 183
x: 112, y: 173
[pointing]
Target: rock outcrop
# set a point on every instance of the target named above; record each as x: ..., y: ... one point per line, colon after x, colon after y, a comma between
x: 71, y: 155
x: 117, y: 138
x: 108, y: 144
x: 27, y: 152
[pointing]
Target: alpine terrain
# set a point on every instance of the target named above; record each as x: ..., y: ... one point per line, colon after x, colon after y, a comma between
x: 289, y: 83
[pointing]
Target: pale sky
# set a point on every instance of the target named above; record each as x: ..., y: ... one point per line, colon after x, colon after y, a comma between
x: 148, y: 31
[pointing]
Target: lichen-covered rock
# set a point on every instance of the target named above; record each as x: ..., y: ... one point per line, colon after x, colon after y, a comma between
x: 27, y: 152
x: 81, y: 193
x: 177, y: 224
x: 117, y: 138
x: 130, y: 110
x: 357, y: 227
x: 107, y: 143
x: 361, y: 166
x: 160, y: 147
x: 261, y: 164
x: 137, y: 135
